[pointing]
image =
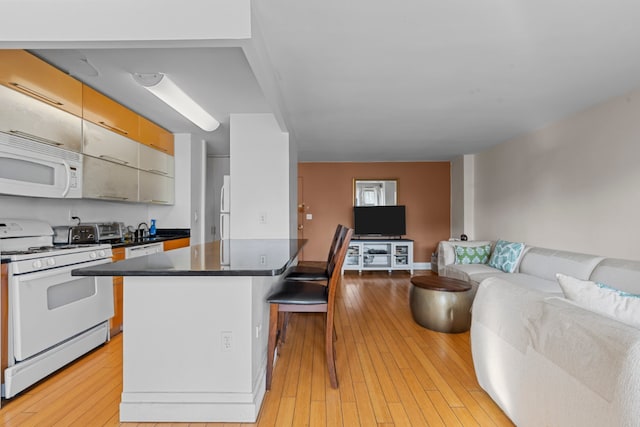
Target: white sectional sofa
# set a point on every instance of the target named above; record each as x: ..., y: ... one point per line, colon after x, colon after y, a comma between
x: 547, y: 360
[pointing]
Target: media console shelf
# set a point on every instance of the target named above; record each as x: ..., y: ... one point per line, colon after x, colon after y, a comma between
x: 381, y: 254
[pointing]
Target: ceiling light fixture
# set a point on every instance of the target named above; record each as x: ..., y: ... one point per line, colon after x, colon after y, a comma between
x: 161, y: 86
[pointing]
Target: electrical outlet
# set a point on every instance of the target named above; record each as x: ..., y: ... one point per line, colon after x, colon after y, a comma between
x: 227, y: 341
x: 263, y: 260
x: 262, y: 218
x: 72, y: 213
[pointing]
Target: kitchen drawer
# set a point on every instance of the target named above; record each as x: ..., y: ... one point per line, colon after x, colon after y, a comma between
x: 155, y: 137
x: 24, y: 72
x: 156, y: 189
x: 109, y: 181
x: 106, y: 112
x: 106, y: 145
x: 155, y: 161
x: 24, y: 116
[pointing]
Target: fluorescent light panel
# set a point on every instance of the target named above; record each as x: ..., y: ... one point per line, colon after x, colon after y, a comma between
x: 161, y: 86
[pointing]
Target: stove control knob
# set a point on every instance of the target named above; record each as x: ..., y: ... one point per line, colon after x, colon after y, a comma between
x: 101, y: 253
x: 93, y: 255
x: 51, y: 262
x: 37, y: 264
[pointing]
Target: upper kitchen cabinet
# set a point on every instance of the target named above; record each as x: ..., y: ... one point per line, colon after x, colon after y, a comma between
x: 26, y: 73
x: 107, y: 113
x: 155, y: 161
x: 26, y: 117
x: 110, y: 146
x: 156, y: 137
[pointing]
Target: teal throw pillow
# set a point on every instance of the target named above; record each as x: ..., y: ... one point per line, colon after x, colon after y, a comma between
x: 472, y: 254
x: 505, y: 256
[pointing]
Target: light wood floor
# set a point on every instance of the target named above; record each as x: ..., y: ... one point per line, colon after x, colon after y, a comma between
x: 392, y: 372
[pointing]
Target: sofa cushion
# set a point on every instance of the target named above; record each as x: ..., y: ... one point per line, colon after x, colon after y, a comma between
x: 538, y: 284
x: 466, y: 272
x: 618, y: 273
x: 600, y: 298
x: 472, y: 254
x: 545, y: 263
x: 505, y: 255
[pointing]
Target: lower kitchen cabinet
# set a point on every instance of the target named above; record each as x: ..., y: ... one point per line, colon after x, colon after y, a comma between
x: 176, y: 243
x: 115, y: 324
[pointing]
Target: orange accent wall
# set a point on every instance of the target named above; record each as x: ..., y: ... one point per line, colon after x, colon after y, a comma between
x: 327, y: 192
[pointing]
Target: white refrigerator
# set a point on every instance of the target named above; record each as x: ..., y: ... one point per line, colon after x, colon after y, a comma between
x: 225, y: 206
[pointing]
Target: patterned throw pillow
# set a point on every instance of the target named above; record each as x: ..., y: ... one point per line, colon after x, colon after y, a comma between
x: 505, y: 256
x: 472, y: 254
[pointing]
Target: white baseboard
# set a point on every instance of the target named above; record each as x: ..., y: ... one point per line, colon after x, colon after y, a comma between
x: 422, y: 266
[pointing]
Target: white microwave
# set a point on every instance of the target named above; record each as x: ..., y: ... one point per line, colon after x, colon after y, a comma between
x: 34, y: 169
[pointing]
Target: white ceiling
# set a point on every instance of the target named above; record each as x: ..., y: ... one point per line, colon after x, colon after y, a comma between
x: 407, y: 80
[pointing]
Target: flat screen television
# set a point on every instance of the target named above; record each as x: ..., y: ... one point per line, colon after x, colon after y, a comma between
x: 379, y: 221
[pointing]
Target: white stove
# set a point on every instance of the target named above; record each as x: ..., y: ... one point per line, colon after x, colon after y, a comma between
x: 53, y: 317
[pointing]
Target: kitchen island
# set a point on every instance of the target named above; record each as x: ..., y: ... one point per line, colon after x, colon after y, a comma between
x: 195, y: 329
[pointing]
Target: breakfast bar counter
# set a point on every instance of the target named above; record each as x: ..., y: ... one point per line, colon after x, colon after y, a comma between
x: 195, y: 329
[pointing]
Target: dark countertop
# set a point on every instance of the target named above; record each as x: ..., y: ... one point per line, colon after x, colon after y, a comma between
x: 162, y: 235
x: 240, y: 257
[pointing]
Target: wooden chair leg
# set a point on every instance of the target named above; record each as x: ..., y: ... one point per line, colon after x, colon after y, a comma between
x: 331, y: 354
x: 272, y: 341
x: 283, y: 327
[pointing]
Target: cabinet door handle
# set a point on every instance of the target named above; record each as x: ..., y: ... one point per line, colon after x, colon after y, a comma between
x: 35, y: 93
x: 166, y: 202
x: 35, y: 137
x: 158, y: 171
x: 113, y: 159
x: 108, y: 126
x: 158, y: 147
x: 110, y: 196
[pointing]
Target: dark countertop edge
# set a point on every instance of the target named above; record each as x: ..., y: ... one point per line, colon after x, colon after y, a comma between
x: 173, y: 273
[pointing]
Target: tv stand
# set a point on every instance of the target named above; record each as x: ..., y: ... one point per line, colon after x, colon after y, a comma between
x: 379, y: 254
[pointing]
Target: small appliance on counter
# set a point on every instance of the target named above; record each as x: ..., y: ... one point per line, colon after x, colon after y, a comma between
x: 75, y: 234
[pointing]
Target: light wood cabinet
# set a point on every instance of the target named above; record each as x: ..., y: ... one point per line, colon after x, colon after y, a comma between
x: 26, y: 73
x: 106, y: 112
x: 115, y: 324
x: 155, y: 137
x: 176, y: 243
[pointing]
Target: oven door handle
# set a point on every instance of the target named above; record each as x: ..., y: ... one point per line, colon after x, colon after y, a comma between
x: 59, y: 270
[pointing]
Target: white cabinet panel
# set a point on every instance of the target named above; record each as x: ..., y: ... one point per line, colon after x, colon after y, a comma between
x: 156, y: 188
x: 109, y: 181
x: 27, y: 117
x: 106, y: 145
x: 155, y: 161
x: 363, y: 255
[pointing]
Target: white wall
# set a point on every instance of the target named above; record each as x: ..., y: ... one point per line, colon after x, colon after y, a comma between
x: 56, y: 211
x: 178, y: 215
x: 122, y: 20
x: 260, y: 186
x: 462, y: 195
x: 198, y: 178
x: 573, y: 185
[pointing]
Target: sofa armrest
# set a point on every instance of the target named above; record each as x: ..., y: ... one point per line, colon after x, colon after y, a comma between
x: 446, y: 251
